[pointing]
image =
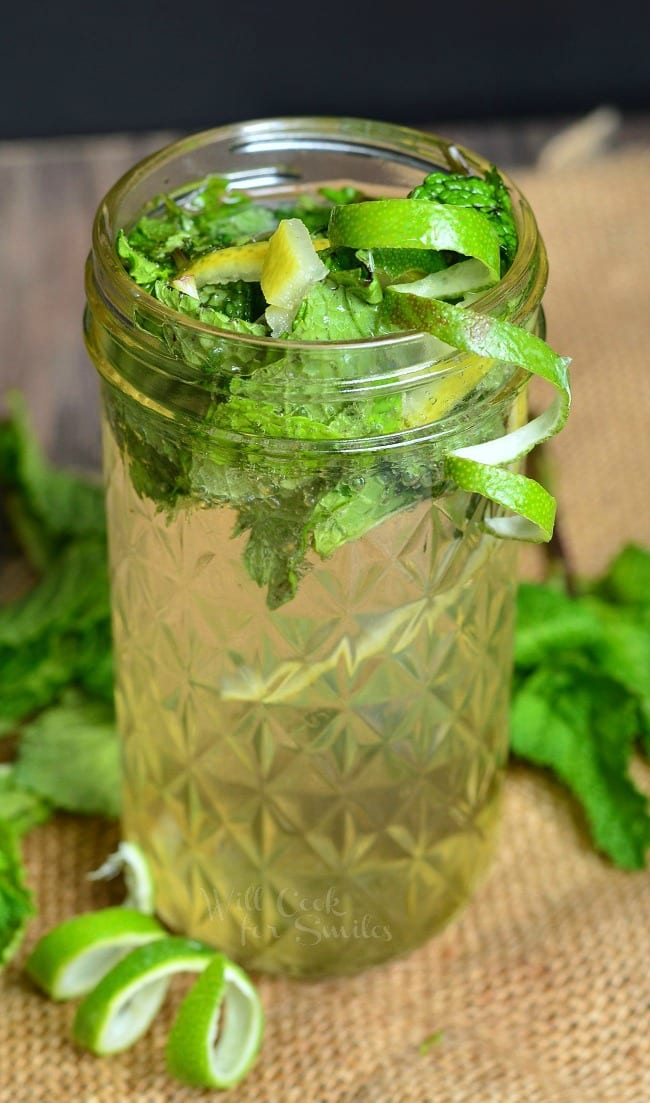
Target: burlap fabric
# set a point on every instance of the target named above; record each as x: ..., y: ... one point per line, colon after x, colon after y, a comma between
x: 542, y: 989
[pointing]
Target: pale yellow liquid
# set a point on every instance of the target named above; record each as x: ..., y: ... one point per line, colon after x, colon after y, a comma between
x: 315, y: 787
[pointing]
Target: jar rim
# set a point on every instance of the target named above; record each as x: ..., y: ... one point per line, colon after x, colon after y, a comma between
x: 123, y: 296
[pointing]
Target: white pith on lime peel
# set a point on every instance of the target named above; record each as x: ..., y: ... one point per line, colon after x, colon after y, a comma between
x: 72, y: 958
x: 130, y: 860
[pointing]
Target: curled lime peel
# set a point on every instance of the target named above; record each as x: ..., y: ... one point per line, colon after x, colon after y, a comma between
x: 477, y: 468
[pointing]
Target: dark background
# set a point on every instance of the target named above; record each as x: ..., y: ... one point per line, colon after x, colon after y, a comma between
x: 120, y: 66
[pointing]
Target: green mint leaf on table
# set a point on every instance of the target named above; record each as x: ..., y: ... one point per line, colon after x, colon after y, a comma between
x: 582, y: 696
x: 69, y: 757
x: 57, y: 634
x: 549, y: 622
x: 45, y: 506
x: 430, y: 1041
x: 583, y: 726
x: 627, y: 582
x: 20, y: 807
x: 16, y: 906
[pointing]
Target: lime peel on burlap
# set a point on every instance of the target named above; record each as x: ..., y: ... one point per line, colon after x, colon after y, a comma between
x: 130, y: 860
x: 122, y: 1007
x: 72, y: 958
x: 207, y: 1047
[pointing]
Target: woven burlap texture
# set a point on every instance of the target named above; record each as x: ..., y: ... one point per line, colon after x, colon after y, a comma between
x: 542, y: 988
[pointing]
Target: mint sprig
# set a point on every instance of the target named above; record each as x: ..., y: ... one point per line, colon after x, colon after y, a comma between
x: 581, y: 705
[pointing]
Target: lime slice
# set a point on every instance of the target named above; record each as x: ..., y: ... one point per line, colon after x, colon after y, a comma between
x: 428, y: 403
x: 477, y: 468
x: 417, y: 224
x: 130, y: 860
x: 237, y: 262
x: 218, y: 1030
x: 291, y: 268
x: 127, y: 999
x: 73, y: 957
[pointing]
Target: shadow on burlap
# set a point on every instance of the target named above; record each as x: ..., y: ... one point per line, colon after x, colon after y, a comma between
x: 542, y: 988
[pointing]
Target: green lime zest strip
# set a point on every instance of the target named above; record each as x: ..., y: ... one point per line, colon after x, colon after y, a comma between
x: 72, y: 958
x: 476, y: 468
x: 417, y: 224
x: 193, y: 1055
x: 127, y: 999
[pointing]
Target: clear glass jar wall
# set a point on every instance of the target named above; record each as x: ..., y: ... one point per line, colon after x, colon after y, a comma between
x: 314, y: 777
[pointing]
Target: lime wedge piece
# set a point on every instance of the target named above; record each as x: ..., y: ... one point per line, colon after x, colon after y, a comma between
x: 417, y: 224
x: 429, y: 402
x: 127, y: 999
x: 131, y: 861
x: 218, y: 1030
x: 290, y: 269
x: 237, y: 262
x: 73, y: 957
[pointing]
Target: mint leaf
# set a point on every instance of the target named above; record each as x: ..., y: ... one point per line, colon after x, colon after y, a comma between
x: 338, y: 196
x: 219, y: 216
x: 583, y: 673
x: 366, y: 288
x: 549, y: 622
x: 141, y: 268
x: 16, y: 906
x: 46, y: 507
x: 583, y: 725
x: 309, y: 210
x: 354, y: 507
x: 231, y: 301
x: 237, y: 300
x: 330, y: 313
x: 58, y: 633
x: 274, y: 555
x: 69, y: 756
x: 21, y: 808
x: 627, y: 581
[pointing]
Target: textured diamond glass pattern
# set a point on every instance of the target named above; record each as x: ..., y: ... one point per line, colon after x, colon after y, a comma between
x: 316, y: 787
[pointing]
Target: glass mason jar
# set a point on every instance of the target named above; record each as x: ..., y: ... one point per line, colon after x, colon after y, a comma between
x: 313, y: 764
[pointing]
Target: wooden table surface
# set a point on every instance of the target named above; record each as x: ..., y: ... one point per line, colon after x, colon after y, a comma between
x: 49, y: 190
